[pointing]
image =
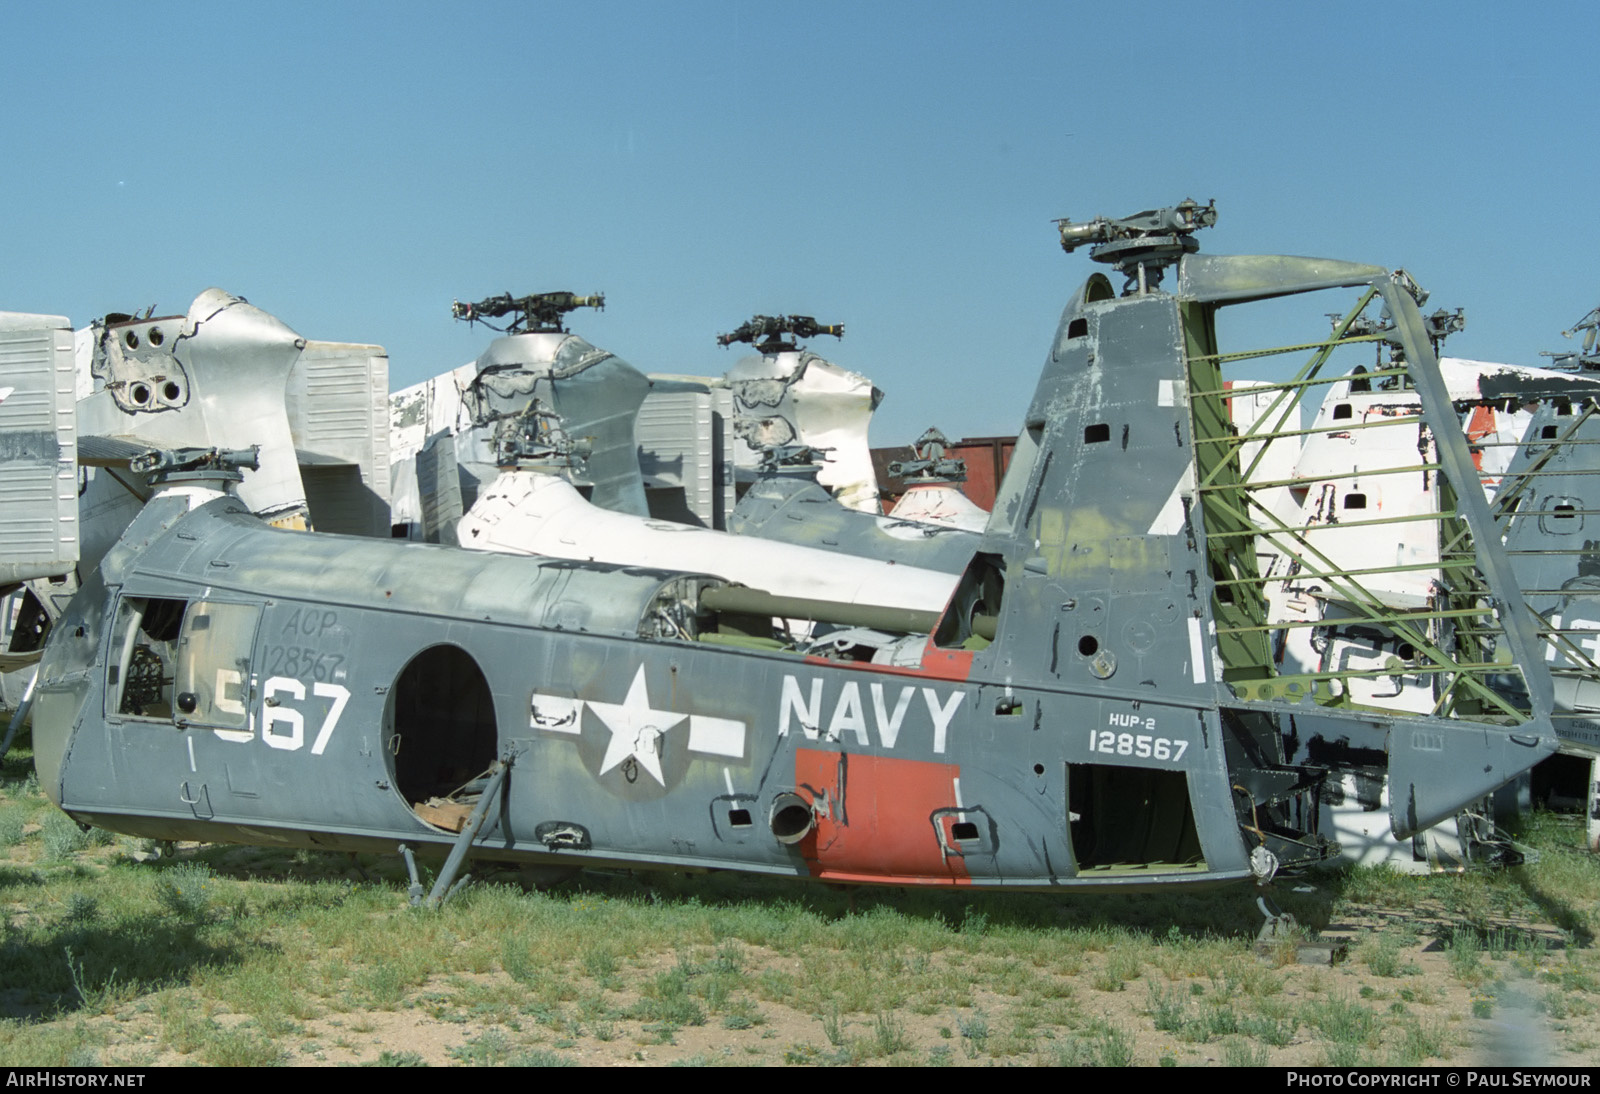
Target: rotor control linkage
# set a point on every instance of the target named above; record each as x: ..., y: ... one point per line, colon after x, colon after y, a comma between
x: 539, y: 313
x: 1585, y: 359
x: 1143, y: 245
x: 771, y: 329
x: 229, y: 463
x: 537, y: 438
x: 931, y: 463
x: 775, y: 457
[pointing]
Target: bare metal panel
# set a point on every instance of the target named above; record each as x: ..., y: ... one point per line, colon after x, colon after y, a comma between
x: 439, y: 487
x: 337, y: 403
x: 38, y: 447
x: 341, y: 501
x: 685, y: 439
x: 213, y: 377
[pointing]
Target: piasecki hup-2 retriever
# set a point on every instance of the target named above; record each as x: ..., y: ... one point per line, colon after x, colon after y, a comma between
x: 1099, y: 704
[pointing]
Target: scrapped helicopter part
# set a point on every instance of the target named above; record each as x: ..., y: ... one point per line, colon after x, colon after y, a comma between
x: 176, y: 465
x: 1548, y: 506
x: 38, y: 443
x: 1366, y: 471
x: 414, y: 891
x: 1438, y: 325
x: 796, y: 460
x: 1280, y: 931
x: 788, y: 505
x: 930, y: 463
x: 18, y: 717
x: 529, y: 513
x: 478, y: 409
x: 446, y: 886
x: 539, y: 313
x: 535, y: 440
x: 931, y: 495
x: 790, y: 396
x: 1124, y: 726
x: 766, y: 332
x: 1584, y: 359
x: 686, y: 450
x: 1442, y: 324
x: 224, y: 374
x: 1142, y: 246
x: 1550, y: 510
x: 229, y: 375
x: 1244, y: 527
x: 941, y: 504
x: 1354, y: 473
x: 666, y: 446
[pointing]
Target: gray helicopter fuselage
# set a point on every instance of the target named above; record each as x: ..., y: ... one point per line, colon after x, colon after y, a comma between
x: 1095, y: 706
x: 359, y: 677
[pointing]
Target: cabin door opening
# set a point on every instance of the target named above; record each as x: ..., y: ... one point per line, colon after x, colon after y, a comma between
x: 1130, y: 817
x: 442, y: 736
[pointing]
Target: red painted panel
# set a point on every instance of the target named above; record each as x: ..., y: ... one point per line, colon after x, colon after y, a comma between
x: 1480, y: 425
x: 946, y: 664
x: 875, y: 818
x: 939, y: 664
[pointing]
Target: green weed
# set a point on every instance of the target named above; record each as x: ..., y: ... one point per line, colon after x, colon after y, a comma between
x: 1106, y: 1046
x: 1343, y: 1055
x: 380, y: 987
x: 96, y: 998
x: 240, y: 1047
x: 490, y: 1048
x: 974, y: 1033
x: 667, y: 999
x: 1167, y: 1008
x: 1418, y: 1043
x: 1274, y: 1030
x: 186, y: 890
x: 1343, y: 1021
x: 540, y: 1057
x: 600, y: 962
x: 13, y: 819
x: 1121, y: 966
x: 396, y: 1059
x: 1383, y: 954
x: 833, y: 1027
x: 185, y: 1026
x: 82, y: 910
x: 62, y: 836
x: 1237, y: 1052
x: 890, y: 1035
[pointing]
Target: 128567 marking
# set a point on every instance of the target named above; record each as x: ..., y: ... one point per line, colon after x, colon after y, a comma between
x: 1141, y: 745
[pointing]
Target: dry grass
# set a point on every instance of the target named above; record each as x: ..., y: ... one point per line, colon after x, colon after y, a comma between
x: 232, y: 956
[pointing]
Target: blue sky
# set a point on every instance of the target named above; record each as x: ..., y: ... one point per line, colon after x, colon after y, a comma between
x: 353, y: 167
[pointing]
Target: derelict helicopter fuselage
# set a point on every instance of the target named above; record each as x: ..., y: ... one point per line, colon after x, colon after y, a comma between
x: 1080, y: 715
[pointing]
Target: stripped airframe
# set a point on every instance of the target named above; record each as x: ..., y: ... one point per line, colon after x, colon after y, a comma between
x: 1097, y: 705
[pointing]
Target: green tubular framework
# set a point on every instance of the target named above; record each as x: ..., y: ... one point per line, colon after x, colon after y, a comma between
x: 1454, y: 637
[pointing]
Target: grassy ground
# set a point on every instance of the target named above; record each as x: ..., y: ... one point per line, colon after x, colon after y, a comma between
x: 217, y: 955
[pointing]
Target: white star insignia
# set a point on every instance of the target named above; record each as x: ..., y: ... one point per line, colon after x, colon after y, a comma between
x: 636, y: 729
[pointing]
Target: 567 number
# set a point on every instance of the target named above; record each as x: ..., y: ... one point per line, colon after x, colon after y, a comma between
x: 1140, y: 745
x: 282, y: 725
